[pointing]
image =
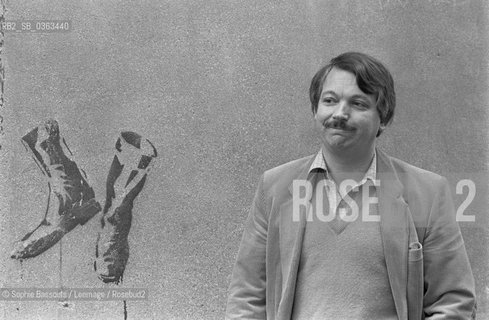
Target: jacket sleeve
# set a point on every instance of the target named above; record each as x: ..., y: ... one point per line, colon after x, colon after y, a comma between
x: 448, y: 280
x: 247, y: 290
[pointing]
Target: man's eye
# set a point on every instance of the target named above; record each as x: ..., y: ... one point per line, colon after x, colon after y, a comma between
x: 328, y: 100
x: 360, y: 104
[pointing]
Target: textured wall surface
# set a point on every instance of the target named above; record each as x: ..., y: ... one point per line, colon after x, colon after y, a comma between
x: 221, y: 89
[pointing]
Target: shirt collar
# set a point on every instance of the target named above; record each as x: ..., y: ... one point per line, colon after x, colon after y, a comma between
x: 320, y: 163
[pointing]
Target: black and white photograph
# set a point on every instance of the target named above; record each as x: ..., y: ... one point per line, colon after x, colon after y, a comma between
x: 231, y: 159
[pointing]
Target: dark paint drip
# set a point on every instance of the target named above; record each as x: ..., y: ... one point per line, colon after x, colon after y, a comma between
x: 63, y: 303
x: 60, y: 263
x: 21, y: 269
x: 125, y: 310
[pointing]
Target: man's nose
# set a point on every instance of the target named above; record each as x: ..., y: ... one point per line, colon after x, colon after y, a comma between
x: 342, y: 111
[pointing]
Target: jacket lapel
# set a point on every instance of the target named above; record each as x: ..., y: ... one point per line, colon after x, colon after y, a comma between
x: 394, y: 228
x: 291, y: 237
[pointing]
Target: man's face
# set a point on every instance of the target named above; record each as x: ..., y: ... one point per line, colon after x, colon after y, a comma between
x: 346, y: 116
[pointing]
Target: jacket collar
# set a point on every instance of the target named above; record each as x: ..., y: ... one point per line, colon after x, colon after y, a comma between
x: 303, y: 174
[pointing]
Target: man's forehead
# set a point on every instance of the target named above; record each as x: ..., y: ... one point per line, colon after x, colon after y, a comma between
x: 339, y: 79
x: 344, y: 77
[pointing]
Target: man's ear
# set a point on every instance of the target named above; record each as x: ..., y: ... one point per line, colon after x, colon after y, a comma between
x: 381, y: 129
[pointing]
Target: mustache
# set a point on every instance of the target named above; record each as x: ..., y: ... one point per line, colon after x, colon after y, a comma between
x: 338, y: 124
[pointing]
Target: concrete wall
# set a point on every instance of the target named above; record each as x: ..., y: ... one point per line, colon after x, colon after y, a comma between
x: 221, y: 89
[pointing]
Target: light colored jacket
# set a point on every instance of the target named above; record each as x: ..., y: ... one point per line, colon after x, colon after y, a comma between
x: 431, y: 281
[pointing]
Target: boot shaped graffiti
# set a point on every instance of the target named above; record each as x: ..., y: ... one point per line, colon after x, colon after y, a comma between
x: 127, y: 175
x: 71, y: 201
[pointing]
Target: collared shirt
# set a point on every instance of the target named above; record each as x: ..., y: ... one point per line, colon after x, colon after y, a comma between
x: 319, y: 164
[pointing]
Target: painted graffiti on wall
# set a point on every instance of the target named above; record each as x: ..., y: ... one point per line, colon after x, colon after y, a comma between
x: 127, y: 175
x: 72, y: 201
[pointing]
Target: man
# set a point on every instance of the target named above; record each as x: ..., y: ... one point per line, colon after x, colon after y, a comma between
x: 351, y: 233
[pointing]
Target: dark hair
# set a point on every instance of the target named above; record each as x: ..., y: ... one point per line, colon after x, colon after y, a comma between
x: 372, y: 78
